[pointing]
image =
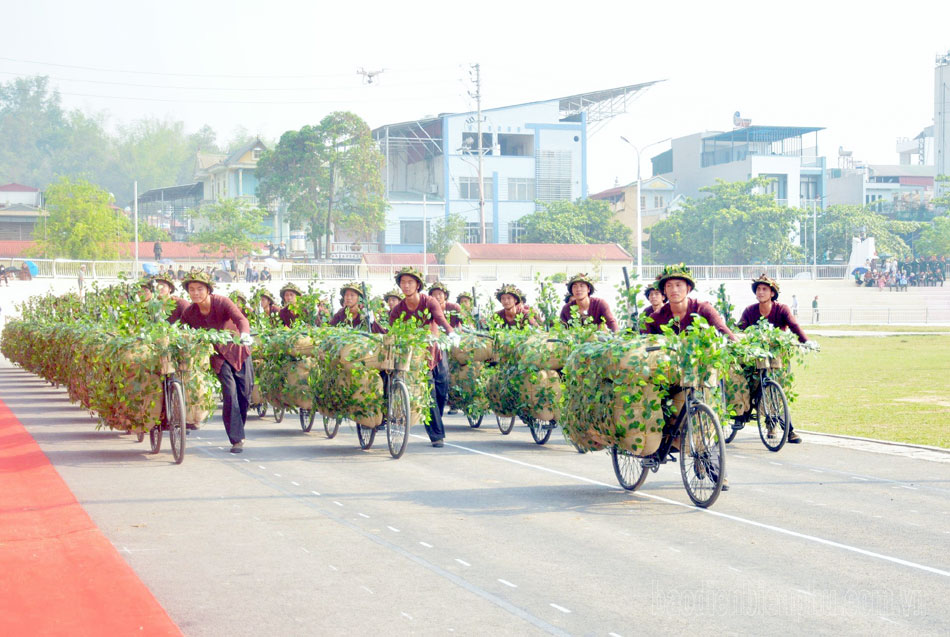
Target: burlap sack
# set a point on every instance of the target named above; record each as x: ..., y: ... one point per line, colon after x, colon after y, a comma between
x: 737, y: 395
x: 367, y: 400
x: 297, y: 391
x: 543, y: 396
x: 473, y: 348
x: 544, y: 353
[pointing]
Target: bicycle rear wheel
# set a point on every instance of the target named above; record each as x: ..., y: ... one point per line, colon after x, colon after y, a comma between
x: 331, y: 429
x: 155, y: 438
x: 398, y: 419
x: 702, y: 456
x: 176, y: 420
x: 504, y: 428
x: 541, y: 430
x: 278, y: 414
x: 628, y: 468
x: 261, y: 409
x: 473, y: 422
x: 366, y: 435
x: 772, y: 416
x: 307, y: 416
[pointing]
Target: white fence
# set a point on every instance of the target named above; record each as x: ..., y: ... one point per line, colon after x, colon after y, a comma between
x: 503, y: 271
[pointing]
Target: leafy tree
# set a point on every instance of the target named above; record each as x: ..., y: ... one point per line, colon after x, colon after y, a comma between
x: 581, y: 221
x: 83, y: 223
x: 935, y: 240
x: 736, y: 223
x: 328, y: 175
x: 838, y: 225
x: 228, y: 225
x: 444, y: 234
x: 941, y: 200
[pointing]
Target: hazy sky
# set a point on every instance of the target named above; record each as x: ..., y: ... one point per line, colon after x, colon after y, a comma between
x: 862, y: 70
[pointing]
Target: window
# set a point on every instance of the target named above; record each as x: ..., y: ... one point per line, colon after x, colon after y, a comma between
x: 256, y: 153
x: 778, y: 186
x: 808, y: 190
x: 520, y: 189
x: 657, y: 201
x: 553, y: 175
x: 515, y: 232
x: 643, y: 202
x: 468, y: 187
x: 516, y: 145
x: 473, y: 232
x: 410, y: 231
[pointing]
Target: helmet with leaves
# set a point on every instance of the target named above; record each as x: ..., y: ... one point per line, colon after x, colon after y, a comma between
x: 198, y: 276
x: 464, y: 295
x: 352, y: 285
x: 580, y: 277
x: 292, y: 288
x: 393, y: 294
x: 678, y: 271
x: 513, y: 290
x: 438, y: 285
x: 764, y: 279
x: 166, y: 279
x: 410, y: 271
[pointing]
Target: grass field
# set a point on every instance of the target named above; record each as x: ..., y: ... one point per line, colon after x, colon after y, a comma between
x: 882, y: 328
x: 892, y: 388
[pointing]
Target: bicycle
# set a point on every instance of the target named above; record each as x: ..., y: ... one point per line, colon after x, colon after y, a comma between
x: 173, y: 418
x: 771, y: 407
x: 702, y: 453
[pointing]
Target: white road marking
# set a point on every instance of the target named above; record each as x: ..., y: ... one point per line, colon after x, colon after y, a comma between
x: 560, y: 608
x: 246, y: 460
x: 315, y: 492
x: 612, y: 635
x: 221, y: 448
x: 426, y: 544
x: 735, y: 455
x: 912, y: 524
x: 719, y: 514
x: 777, y: 464
x: 733, y: 568
x: 406, y: 615
x: 367, y: 590
x: 798, y: 590
x: 507, y: 583
x: 296, y: 484
x: 816, y: 470
x: 904, y: 486
x: 277, y: 475
x: 304, y: 548
x: 260, y: 466
x: 392, y: 528
x: 674, y: 550
x: 339, y: 504
x: 888, y: 619
x: 855, y: 511
x: 462, y: 562
x: 333, y: 568
x: 860, y: 478
x: 363, y: 515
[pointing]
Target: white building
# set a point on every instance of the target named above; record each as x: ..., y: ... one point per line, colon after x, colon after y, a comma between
x: 919, y: 150
x: 942, y: 114
x: 898, y: 188
x: 788, y: 155
x: 533, y: 152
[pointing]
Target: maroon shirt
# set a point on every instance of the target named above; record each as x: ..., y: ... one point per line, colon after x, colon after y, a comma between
x: 180, y: 306
x: 287, y: 317
x: 354, y: 320
x: 523, y: 316
x: 780, y: 317
x: 224, y: 315
x: 664, y: 316
x: 454, y: 313
x: 598, y: 312
x: 428, y: 311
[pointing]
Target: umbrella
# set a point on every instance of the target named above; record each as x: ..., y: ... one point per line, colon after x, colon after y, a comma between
x: 150, y: 268
x: 274, y: 264
x: 859, y: 270
x: 32, y: 268
x: 223, y: 276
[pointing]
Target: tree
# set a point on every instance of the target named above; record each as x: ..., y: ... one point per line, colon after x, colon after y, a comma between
x: 838, y: 225
x: 328, y: 176
x: 445, y: 233
x: 83, y: 223
x: 581, y: 221
x: 228, y: 226
x: 735, y: 224
x: 935, y: 240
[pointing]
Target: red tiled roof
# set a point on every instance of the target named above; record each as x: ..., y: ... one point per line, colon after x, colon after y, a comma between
x: 170, y: 250
x: 546, y: 251
x: 17, y: 188
x: 396, y: 258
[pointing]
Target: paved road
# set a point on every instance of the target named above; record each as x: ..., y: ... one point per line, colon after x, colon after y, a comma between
x: 495, y: 535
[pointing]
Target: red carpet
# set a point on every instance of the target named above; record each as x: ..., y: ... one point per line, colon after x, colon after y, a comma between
x: 59, y: 575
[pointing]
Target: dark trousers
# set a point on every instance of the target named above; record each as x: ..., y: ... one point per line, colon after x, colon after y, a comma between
x: 235, y: 389
x: 440, y: 392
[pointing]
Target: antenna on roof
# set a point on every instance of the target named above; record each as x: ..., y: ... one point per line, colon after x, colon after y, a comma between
x: 369, y: 77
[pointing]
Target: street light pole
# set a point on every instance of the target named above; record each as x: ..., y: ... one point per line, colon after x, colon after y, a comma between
x: 638, y: 208
x: 135, y: 208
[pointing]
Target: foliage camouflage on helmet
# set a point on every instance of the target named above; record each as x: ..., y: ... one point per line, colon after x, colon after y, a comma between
x: 292, y: 288
x: 464, y: 295
x: 237, y: 294
x: 411, y: 271
x: 393, y: 293
x: 165, y: 278
x: 198, y: 276
x: 513, y: 290
x: 652, y: 286
x: 678, y: 271
x: 582, y: 278
x: 772, y: 283
x: 352, y: 285
x: 438, y: 285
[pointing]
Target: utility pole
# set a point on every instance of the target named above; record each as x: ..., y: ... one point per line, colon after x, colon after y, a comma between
x: 481, y: 182
x: 135, y: 208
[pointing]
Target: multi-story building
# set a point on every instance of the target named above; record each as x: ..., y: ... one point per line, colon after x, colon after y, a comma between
x: 656, y: 196
x: 919, y: 150
x: 230, y: 176
x: 897, y: 189
x: 787, y: 155
x: 530, y: 154
x: 21, y: 207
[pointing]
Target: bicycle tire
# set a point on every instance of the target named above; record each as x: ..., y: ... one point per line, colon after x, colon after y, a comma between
x: 731, y: 434
x: 307, y: 416
x: 261, y: 409
x: 366, y: 436
x: 139, y: 436
x: 630, y: 472
x: 398, y: 421
x: 331, y: 431
x: 473, y: 423
x: 176, y: 421
x: 702, y: 456
x: 278, y: 414
x: 540, y: 430
x: 772, y: 416
x: 155, y: 438
x: 505, y: 430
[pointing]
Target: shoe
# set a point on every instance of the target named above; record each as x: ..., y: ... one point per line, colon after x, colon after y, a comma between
x: 794, y: 438
x: 191, y: 426
x: 725, y: 484
x: 438, y: 443
x: 237, y: 447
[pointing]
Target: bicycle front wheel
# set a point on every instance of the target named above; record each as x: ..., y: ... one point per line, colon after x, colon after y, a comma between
x: 702, y: 456
x: 329, y: 428
x: 541, y: 430
x: 307, y: 416
x: 366, y: 436
x: 628, y: 468
x: 772, y: 416
x: 398, y: 419
x: 505, y: 424
x: 155, y: 438
x: 176, y: 420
